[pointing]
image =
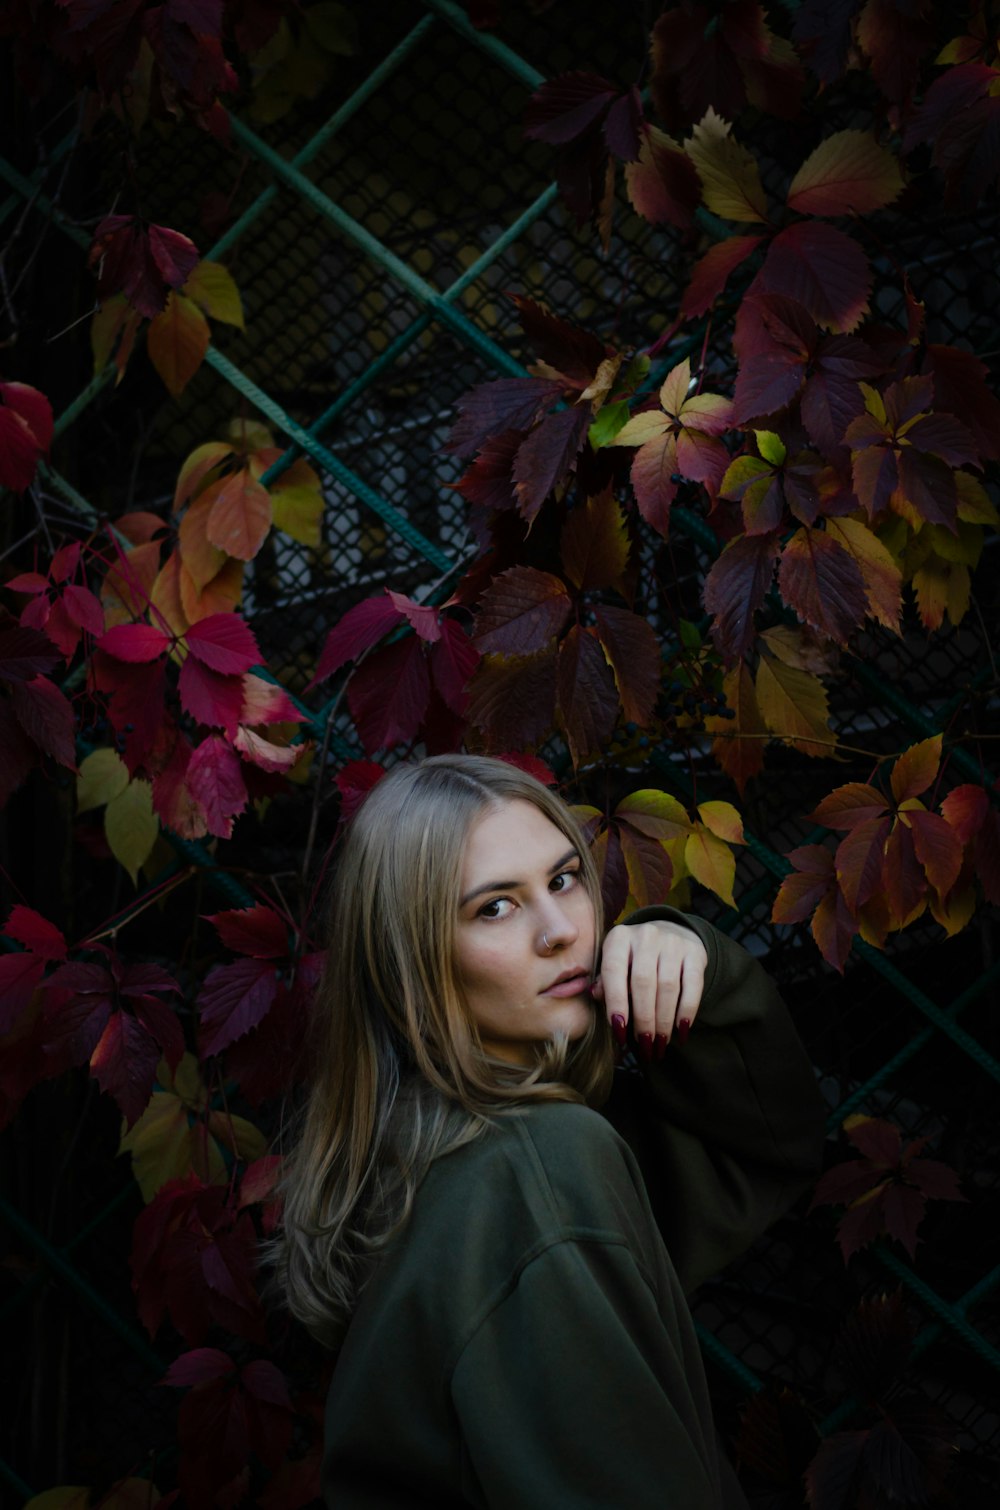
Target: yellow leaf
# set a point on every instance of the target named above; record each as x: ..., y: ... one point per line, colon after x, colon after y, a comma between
x: 177, y: 341
x: 729, y: 175
x: 847, y: 173
x: 65, y: 1497
x: 211, y: 286
x: 249, y: 435
x: 112, y: 333
x: 167, y: 1142
x: 103, y: 777
x: 240, y: 1136
x: 723, y: 820
x: 333, y: 27
x: 941, y: 588
x: 674, y: 389
x: 131, y: 1494
x: 974, y: 503
x: 131, y: 826
x: 794, y: 706
x: 197, y: 469
x: 873, y: 402
x: 654, y: 813
x: 642, y: 427
x: 298, y: 511
x: 712, y: 863
x: 964, y: 547
x: 955, y: 910
x: 880, y: 573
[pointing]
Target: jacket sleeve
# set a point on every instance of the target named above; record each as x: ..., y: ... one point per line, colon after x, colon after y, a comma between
x: 729, y: 1127
x: 575, y: 1391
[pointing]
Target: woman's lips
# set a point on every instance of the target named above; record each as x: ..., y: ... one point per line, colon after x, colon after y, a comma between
x: 573, y: 985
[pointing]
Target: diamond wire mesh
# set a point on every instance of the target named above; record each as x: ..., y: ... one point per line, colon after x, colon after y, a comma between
x: 434, y: 167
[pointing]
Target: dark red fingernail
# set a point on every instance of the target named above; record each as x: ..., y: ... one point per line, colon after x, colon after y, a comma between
x: 660, y: 1045
x: 645, y: 1043
x: 618, y: 1029
x: 682, y: 1029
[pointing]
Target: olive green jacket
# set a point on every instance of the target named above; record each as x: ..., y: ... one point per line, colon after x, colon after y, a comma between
x: 526, y: 1344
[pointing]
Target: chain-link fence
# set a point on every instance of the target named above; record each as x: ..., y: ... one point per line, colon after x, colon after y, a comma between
x: 372, y: 248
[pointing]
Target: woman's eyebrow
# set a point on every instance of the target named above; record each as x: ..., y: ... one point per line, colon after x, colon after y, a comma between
x: 478, y: 891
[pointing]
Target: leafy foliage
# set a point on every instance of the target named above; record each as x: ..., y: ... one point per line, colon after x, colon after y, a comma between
x: 840, y: 477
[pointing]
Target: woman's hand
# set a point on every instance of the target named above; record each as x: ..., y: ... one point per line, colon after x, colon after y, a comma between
x: 654, y: 972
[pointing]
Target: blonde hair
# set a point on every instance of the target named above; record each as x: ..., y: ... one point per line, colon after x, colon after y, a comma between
x: 400, y: 1075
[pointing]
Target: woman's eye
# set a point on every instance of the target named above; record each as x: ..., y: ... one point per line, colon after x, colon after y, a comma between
x: 565, y: 880
x: 499, y: 908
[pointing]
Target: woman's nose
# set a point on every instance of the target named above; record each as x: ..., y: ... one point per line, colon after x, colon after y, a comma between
x: 558, y: 929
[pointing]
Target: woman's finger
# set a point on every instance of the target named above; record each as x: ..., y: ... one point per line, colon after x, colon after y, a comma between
x: 611, y: 985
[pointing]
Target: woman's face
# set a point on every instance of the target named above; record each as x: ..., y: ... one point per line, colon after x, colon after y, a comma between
x: 524, y: 941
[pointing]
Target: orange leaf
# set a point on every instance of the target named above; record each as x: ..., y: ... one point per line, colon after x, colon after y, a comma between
x: 240, y: 517
x: 220, y: 595
x: 595, y: 543
x: 848, y: 173
x: 794, y: 706
x: 739, y: 743
x: 202, y: 559
x: 916, y: 768
x: 177, y: 341
x: 128, y: 585
x: 167, y: 593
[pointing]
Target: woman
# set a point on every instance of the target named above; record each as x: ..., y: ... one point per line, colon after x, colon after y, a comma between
x: 502, y: 1270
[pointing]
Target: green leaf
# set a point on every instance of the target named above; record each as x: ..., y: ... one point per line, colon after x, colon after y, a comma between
x: 611, y: 419
x: 131, y: 826
x: 211, y: 287
x: 770, y: 446
x: 103, y: 777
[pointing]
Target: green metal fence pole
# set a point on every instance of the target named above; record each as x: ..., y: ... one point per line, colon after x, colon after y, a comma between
x: 326, y: 132
x: 952, y: 1318
x: 332, y: 464
x: 56, y: 1261
x: 379, y: 254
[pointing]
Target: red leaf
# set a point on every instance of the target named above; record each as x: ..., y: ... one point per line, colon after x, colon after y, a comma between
x: 28, y: 582
x: 937, y: 848
x: 711, y: 273
x: 452, y: 663
x: 223, y: 642
x: 210, y: 696
x: 36, y: 933
x: 896, y: 37
x: 832, y: 398
x: 735, y: 588
x: 609, y: 858
x: 520, y: 612
x: 566, y: 107
x: 124, y: 1064
x: 650, y: 869
x: 929, y: 485
x: 774, y: 340
x: 84, y: 609
x: 25, y: 433
x: 937, y: 1181
x: 547, y: 456
x: 215, y: 780
x: 266, y: 702
x: 902, y: 1212
x: 143, y: 264
x: 46, y: 717
x: 823, y: 583
x: 257, y: 931
x: 652, y: 474
x: 663, y: 185
x: 505, y: 404
x: 905, y: 884
x: 489, y: 481
x: 512, y: 698
x: 860, y: 858
x: 594, y: 544
x: 388, y: 695
x: 802, y: 890
x: 200, y: 1366
x: 944, y: 436
x: 849, y: 805
x: 35, y: 411
x: 588, y: 701
x: 821, y: 268
x: 354, y: 781
x: 20, y: 975
x: 234, y: 999
x: 822, y: 30
x: 421, y: 619
x: 361, y: 627
x: 633, y: 652
x: 965, y: 808
x: 24, y: 653
x: 574, y: 353
x: 135, y: 642
x: 961, y: 386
